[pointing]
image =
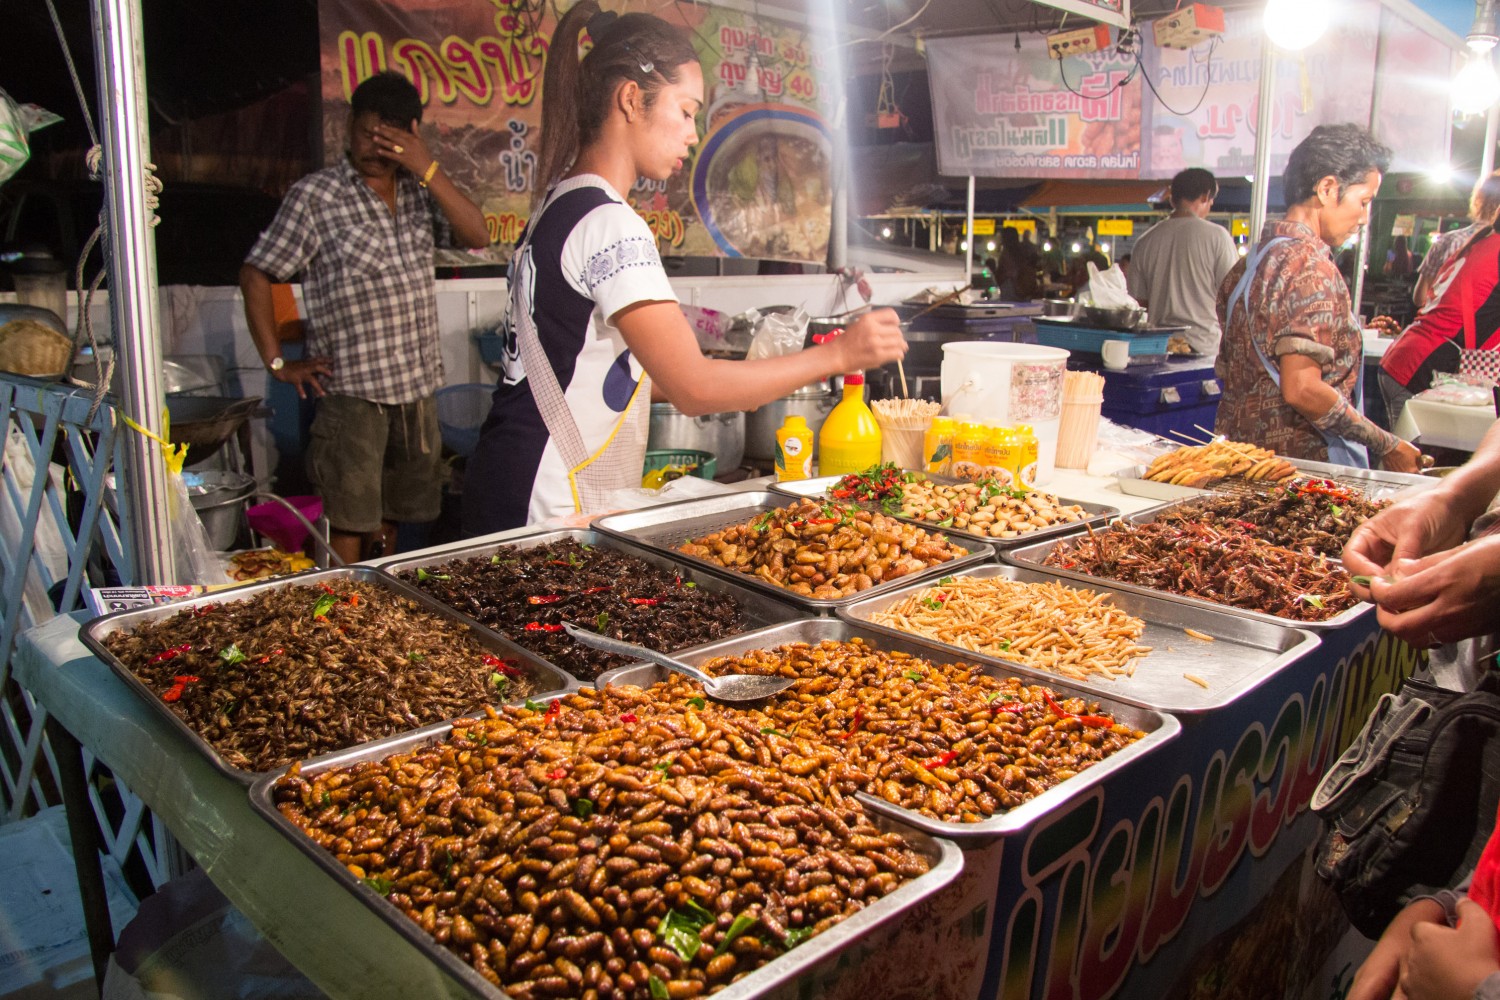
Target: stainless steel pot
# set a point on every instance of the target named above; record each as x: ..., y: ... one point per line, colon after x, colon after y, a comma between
x: 812, y: 403
x: 720, y: 434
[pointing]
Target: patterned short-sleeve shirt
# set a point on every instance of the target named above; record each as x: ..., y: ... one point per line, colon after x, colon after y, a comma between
x: 367, y: 280
x: 1445, y: 248
x: 1299, y: 304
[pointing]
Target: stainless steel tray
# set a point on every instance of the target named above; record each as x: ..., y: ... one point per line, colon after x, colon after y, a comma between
x: 1374, y: 484
x: 818, y: 487
x: 1033, y: 556
x: 664, y: 527
x: 944, y: 856
x: 1243, y: 654
x: 547, y: 678
x: 758, y: 608
x: 1159, y: 728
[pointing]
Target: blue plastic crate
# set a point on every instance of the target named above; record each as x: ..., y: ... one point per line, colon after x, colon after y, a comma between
x: 1073, y: 337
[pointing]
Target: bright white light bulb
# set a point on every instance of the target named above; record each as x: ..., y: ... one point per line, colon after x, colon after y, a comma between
x: 964, y: 247
x: 1243, y: 250
x: 1047, y: 246
x: 990, y: 246
x: 885, y: 232
x: 1104, y: 248
x: 1296, y: 24
x: 1077, y: 247
x: 1441, y: 174
x: 1476, y: 86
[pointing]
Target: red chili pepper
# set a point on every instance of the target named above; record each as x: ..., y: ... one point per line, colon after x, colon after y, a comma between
x: 353, y: 600
x: 842, y: 494
x: 179, y: 685
x: 539, y: 627
x: 172, y: 654
x: 1092, y: 721
x: 859, y: 716
x: 1014, y: 707
x: 326, y: 589
x: 560, y: 562
x: 940, y: 760
x: 822, y: 520
x: 648, y: 602
x: 544, y: 599
x: 597, y: 590
x: 556, y: 774
x: 495, y: 663
x: 267, y: 658
x: 553, y: 711
x: 629, y: 717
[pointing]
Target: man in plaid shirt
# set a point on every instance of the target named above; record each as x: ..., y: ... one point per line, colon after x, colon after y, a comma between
x: 362, y: 233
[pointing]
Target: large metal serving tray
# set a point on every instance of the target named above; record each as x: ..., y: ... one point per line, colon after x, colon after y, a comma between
x: 547, y: 678
x: 757, y: 607
x: 1243, y: 654
x: 1034, y: 556
x: 1373, y: 484
x: 1159, y: 728
x: 944, y: 856
x: 1098, y: 512
x: 664, y: 527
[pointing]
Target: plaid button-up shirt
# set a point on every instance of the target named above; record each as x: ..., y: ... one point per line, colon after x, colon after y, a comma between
x: 367, y: 282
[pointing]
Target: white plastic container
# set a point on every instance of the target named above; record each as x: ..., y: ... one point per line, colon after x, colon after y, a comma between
x: 1008, y: 384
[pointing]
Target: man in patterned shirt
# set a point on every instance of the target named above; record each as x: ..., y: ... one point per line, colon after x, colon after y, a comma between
x: 362, y: 233
x: 1292, y: 357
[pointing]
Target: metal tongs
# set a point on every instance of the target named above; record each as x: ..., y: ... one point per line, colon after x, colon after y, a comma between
x: 734, y: 687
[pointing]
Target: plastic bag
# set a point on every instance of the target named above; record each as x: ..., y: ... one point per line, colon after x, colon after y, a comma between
x: 195, y: 560
x: 17, y: 121
x: 1107, y: 287
x: 1458, y: 390
x: 777, y: 334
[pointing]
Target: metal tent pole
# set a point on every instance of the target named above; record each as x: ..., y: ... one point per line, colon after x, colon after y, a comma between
x: 969, y: 231
x: 1261, y: 185
x: 120, y: 59
x: 1487, y: 159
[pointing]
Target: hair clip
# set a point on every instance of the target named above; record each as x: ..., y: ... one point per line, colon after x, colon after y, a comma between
x: 646, y: 65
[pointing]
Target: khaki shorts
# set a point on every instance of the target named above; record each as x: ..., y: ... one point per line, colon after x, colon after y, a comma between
x: 374, y: 462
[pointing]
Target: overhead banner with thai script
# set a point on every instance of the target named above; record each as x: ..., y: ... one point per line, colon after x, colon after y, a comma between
x: 757, y: 185
x: 1205, y: 111
x: 998, y: 112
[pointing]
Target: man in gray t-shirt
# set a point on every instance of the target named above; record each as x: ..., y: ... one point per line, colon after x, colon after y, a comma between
x: 1178, y: 264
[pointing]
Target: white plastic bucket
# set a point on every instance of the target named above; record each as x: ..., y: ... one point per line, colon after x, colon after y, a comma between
x: 1008, y: 384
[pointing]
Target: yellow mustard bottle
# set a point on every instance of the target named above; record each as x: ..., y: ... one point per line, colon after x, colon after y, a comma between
x: 850, y: 438
x: 794, y: 449
x: 937, y: 445
x: 969, y: 449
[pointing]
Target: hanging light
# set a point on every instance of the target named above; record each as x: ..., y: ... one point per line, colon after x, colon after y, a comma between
x: 1296, y: 24
x: 990, y: 246
x: 1476, y: 87
x: 1104, y: 248
x: 885, y: 232
x: 1484, y: 32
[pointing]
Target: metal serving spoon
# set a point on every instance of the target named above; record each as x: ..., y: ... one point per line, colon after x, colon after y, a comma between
x: 734, y: 687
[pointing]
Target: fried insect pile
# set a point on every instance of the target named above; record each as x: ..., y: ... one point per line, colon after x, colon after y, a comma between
x: 307, y: 669
x: 1216, y: 564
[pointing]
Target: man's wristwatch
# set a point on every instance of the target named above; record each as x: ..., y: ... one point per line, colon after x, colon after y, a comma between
x: 277, y: 363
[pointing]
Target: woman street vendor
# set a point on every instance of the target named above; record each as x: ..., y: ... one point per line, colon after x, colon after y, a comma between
x: 595, y: 326
x: 1292, y: 358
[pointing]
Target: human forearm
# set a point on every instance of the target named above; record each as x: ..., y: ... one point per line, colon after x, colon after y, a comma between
x: 1471, y: 489
x: 1303, y: 389
x: 260, y: 315
x: 469, y: 229
x: 1342, y: 420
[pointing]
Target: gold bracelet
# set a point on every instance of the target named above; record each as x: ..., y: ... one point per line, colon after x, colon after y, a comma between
x: 430, y: 173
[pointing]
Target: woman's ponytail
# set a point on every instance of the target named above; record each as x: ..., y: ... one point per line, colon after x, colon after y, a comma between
x: 560, y: 99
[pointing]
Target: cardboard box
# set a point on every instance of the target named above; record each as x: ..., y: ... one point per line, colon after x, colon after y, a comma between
x: 1188, y: 26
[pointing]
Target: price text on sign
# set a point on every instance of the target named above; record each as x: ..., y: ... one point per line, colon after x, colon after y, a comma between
x: 983, y: 227
x: 1116, y: 227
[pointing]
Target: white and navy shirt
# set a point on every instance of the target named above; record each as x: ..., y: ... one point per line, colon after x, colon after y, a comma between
x: 589, y: 257
x: 367, y: 280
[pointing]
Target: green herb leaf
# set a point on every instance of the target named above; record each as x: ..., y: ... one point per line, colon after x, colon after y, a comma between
x: 583, y: 808
x: 381, y: 886
x: 1337, y: 510
x: 663, y: 766
x: 658, y: 989
x: 697, y: 702
x: 494, y: 560
x: 231, y: 654
x: 690, y: 584
x: 1363, y: 581
x: 416, y: 657
x: 602, y: 620
x: 325, y: 604
x: 913, y: 675
x: 947, y: 522
x: 933, y: 603
x: 327, y: 799
x: 742, y: 923
x: 680, y: 933
x: 946, y: 580
x: 796, y: 936
x: 991, y: 697
x: 535, y: 706
x: 700, y: 917
x: 499, y: 680
x: 1312, y: 599
x: 772, y: 730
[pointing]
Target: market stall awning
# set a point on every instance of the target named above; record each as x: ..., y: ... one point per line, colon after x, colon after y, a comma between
x: 1113, y: 195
